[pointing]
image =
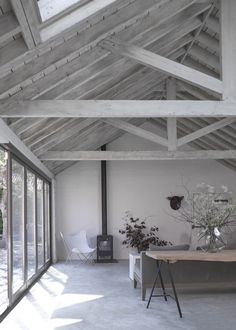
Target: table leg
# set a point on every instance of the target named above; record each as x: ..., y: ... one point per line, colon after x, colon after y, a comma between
x: 173, y: 287
x: 154, y: 284
x: 162, y: 285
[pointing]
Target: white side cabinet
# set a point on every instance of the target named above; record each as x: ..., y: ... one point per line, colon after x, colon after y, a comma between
x: 133, y: 257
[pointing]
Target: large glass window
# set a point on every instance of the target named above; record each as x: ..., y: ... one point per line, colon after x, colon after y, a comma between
x: 24, y: 227
x: 31, y: 237
x: 40, y: 222
x: 3, y: 231
x: 17, y: 225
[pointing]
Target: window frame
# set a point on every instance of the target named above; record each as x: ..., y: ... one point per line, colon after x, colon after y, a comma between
x: 16, y: 155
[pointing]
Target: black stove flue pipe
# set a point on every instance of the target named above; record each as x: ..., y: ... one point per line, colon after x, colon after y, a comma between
x: 104, y: 193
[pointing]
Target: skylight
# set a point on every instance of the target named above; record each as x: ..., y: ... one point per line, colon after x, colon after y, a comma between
x: 57, y: 19
x: 51, y: 8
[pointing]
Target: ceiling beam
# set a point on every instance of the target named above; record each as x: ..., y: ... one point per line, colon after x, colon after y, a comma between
x: 200, y: 94
x: 136, y: 18
x: 117, y: 108
x: 9, y: 27
x: 57, y: 137
x: 7, y: 134
x: 228, y: 48
x: 22, y: 19
x: 217, y: 140
x: 32, y: 15
x: 205, y: 131
x: 171, y: 122
x: 162, y: 64
x: 27, y: 125
x: 138, y: 131
x: 213, y: 24
x: 77, y: 80
x: 197, y: 144
x: 198, y: 32
x: 139, y: 155
x: 41, y: 133
x: 90, y: 31
x: 91, y: 139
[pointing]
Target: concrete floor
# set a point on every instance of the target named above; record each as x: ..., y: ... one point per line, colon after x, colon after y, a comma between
x: 93, y: 297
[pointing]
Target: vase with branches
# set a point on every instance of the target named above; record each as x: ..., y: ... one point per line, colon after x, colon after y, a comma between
x: 212, y: 211
x: 137, y: 235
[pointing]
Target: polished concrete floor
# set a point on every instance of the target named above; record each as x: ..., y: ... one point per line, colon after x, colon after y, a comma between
x: 101, y: 296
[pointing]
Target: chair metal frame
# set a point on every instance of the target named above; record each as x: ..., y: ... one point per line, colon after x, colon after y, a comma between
x: 67, y: 247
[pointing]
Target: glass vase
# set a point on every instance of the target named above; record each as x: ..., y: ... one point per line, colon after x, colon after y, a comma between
x: 211, y: 244
x: 214, y: 243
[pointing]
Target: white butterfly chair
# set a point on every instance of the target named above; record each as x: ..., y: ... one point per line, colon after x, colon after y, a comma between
x: 86, y: 253
x: 69, y: 250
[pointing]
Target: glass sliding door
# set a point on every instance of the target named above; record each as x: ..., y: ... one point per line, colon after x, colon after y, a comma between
x: 24, y: 227
x: 40, y: 222
x: 17, y: 225
x: 31, y: 225
x: 47, y: 220
x: 3, y: 232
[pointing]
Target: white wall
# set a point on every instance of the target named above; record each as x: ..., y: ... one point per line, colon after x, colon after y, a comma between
x: 138, y: 186
x: 77, y: 201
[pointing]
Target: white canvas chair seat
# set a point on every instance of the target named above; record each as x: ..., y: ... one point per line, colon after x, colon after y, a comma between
x: 86, y: 253
x: 79, y: 248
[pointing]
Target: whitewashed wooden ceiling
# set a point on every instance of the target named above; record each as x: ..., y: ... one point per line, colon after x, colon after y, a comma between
x: 75, y: 65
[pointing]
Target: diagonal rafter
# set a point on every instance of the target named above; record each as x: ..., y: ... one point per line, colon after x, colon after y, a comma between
x: 205, y: 131
x: 162, y: 64
x: 138, y: 131
x: 197, y: 33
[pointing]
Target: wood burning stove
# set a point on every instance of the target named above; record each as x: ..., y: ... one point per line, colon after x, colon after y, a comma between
x: 104, y: 248
x: 104, y: 241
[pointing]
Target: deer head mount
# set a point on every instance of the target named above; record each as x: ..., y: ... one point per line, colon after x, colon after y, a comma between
x: 175, y: 202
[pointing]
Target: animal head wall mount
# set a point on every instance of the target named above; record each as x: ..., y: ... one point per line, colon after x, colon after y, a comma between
x: 175, y: 202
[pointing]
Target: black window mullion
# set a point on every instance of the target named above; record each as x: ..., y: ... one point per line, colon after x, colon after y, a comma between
x: 44, y: 222
x: 25, y: 235
x: 9, y: 229
x: 50, y: 219
x: 36, y: 226
x: 49, y: 225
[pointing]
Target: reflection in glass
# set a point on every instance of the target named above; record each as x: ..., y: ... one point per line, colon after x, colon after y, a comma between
x: 3, y: 231
x: 40, y: 231
x: 17, y: 224
x: 31, y: 251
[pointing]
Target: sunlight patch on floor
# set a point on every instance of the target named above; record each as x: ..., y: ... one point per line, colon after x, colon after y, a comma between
x: 39, y: 304
x: 67, y: 300
x: 56, y: 323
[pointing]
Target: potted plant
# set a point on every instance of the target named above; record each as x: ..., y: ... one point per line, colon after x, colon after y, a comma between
x: 137, y: 235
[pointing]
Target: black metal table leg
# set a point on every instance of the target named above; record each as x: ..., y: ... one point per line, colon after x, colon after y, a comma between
x: 154, y: 284
x: 162, y: 284
x: 173, y: 287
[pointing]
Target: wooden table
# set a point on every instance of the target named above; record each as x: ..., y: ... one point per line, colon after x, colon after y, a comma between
x: 173, y: 256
